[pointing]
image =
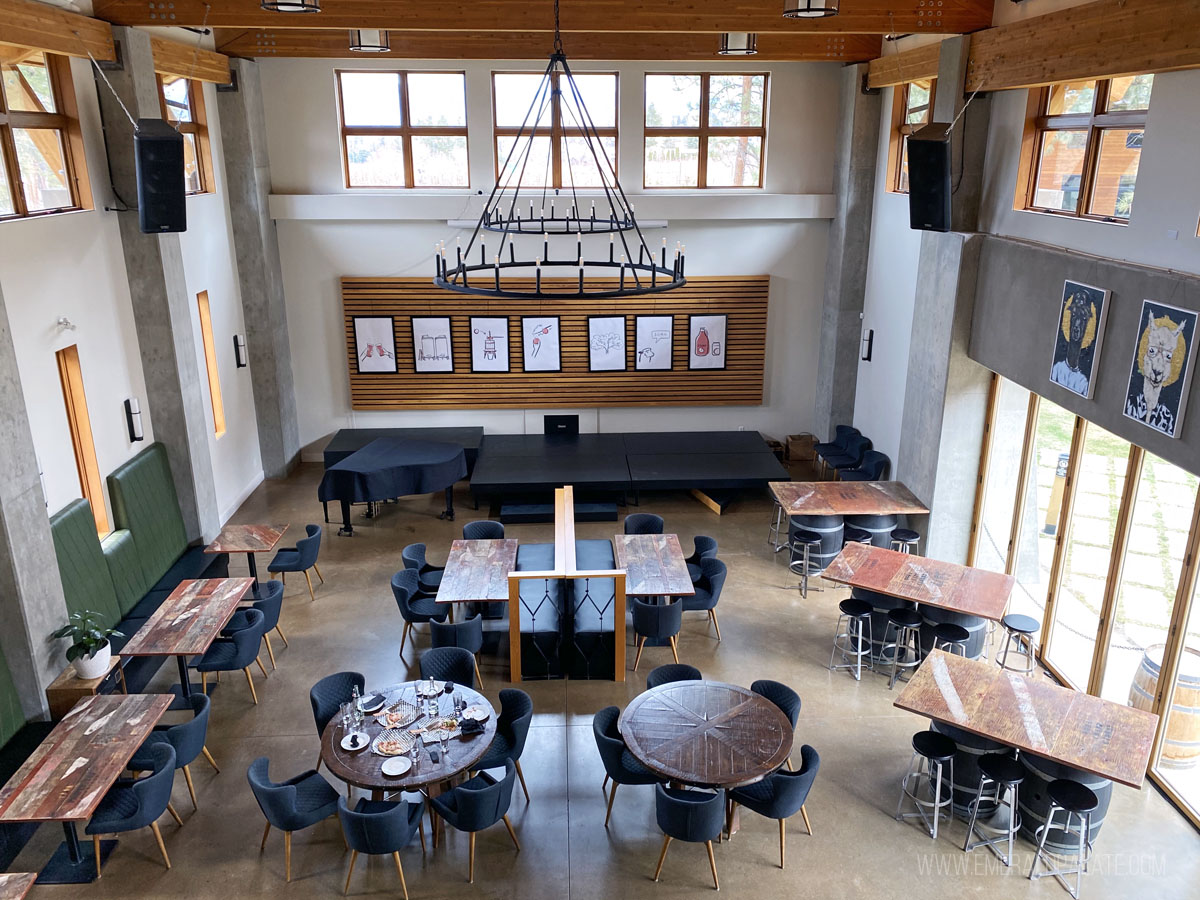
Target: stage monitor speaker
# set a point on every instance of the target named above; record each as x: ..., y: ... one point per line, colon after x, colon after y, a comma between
x: 158, y: 153
x: 929, y: 178
x: 552, y: 424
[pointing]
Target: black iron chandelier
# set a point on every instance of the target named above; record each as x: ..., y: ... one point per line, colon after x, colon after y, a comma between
x: 511, y: 213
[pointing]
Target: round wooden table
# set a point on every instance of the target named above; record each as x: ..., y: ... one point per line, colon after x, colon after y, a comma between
x: 362, y: 768
x: 707, y: 733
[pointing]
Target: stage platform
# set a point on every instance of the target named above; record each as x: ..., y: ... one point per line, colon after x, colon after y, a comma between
x: 347, y: 440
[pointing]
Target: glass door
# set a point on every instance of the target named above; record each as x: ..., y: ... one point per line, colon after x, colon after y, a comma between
x: 1178, y: 763
x: 993, y: 529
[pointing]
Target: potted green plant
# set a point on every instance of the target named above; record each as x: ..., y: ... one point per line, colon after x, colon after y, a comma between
x: 90, y: 650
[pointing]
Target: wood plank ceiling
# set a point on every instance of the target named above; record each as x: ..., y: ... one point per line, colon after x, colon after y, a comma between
x: 592, y: 29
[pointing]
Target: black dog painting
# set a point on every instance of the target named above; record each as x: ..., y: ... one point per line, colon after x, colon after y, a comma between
x: 1162, y: 367
x: 1077, y: 340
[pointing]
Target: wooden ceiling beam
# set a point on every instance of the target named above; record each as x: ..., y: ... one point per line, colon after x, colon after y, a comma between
x: 37, y: 26
x: 188, y: 61
x: 900, y: 68
x: 590, y: 16
x: 266, y: 44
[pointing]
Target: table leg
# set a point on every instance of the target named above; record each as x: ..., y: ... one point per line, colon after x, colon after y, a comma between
x: 73, y: 863
x: 184, y: 690
x: 448, y: 512
x: 253, y: 570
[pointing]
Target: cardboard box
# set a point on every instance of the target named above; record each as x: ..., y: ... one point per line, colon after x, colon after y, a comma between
x: 800, y: 447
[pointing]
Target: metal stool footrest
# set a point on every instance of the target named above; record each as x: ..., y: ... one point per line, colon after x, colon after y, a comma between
x: 930, y: 773
x: 1046, y: 855
x: 853, y: 644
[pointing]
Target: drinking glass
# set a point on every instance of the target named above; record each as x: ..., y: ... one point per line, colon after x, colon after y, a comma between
x: 445, y: 736
x: 414, y: 753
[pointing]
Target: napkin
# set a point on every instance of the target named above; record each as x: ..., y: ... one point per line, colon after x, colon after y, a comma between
x: 470, y: 727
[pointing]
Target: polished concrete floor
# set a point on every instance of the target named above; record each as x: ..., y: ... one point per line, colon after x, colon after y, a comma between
x: 857, y: 849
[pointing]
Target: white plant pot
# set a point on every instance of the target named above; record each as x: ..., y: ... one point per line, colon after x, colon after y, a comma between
x: 89, y: 667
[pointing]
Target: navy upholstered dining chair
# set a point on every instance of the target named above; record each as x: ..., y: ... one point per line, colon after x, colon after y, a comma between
x: 841, y: 434
x: 693, y: 816
x: 186, y: 738
x: 852, y: 458
x: 483, y: 530
x: 658, y: 621
x: 467, y: 634
x: 416, y: 607
x: 782, y: 696
x: 449, y: 664
x: 874, y: 467
x: 705, y: 548
x: 620, y: 766
x: 478, y: 803
x: 512, y: 729
x: 327, y: 696
x: 779, y: 796
x: 430, y: 577
x: 643, y: 523
x: 300, y: 558
x: 708, y: 590
x: 133, y: 803
x: 237, y: 649
x: 672, y: 672
x: 290, y: 805
x: 380, y: 828
x: 270, y: 604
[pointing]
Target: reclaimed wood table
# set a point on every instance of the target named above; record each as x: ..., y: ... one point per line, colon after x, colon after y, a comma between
x: 846, y: 498
x: 1061, y: 724
x: 248, y: 539
x: 654, y: 565
x: 15, y: 885
x: 187, y: 623
x: 477, y: 572
x: 707, y: 733
x: 67, y: 776
x: 960, y: 589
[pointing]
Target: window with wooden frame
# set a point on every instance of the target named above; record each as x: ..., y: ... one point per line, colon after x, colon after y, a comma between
x: 705, y: 130
x: 557, y: 155
x: 912, y: 107
x: 79, y: 424
x: 210, y: 363
x: 182, y: 102
x: 1083, y: 146
x: 404, y: 129
x: 42, y: 166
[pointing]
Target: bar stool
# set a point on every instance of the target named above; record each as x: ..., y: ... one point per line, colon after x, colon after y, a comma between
x: 904, y: 540
x: 905, y: 627
x: 1005, y: 774
x: 931, y: 752
x: 853, y: 642
x: 1019, y: 631
x: 800, y: 562
x: 777, y: 525
x: 951, y: 638
x: 852, y: 534
x: 1074, y: 801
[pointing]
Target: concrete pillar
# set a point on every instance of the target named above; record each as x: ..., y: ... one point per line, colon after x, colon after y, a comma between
x: 162, y: 306
x: 248, y: 176
x: 31, y: 594
x: 849, y: 243
x: 969, y: 140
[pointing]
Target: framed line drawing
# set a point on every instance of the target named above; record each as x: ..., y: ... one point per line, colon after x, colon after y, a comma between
x: 1077, y: 338
x: 652, y: 350
x: 606, y: 344
x: 1163, y: 361
x: 706, y: 341
x: 489, y: 344
x: 375, y: 345
x: 432, y: 349
x: 541, y: 349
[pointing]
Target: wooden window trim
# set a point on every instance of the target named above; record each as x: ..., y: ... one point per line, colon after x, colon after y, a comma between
x: 66, y: 122
x: 79, y: 424
x: 197, y: 127
x: 210, y: 363
x: 405, y: 131
x: 985, y: 462
x: 1038, y: 123
x: 558, y: 130
x: 704, y: 131
x: 901, y: 130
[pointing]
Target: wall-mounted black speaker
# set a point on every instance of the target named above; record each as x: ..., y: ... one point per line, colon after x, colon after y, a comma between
x: 929, y: 178
x: 158, y: 152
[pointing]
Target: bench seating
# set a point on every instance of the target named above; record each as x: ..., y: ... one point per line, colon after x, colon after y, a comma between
x: 540, y: 614
x: 592, y: 613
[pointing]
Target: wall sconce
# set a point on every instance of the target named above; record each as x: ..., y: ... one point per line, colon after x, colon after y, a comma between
x: 133, y: 418
x: 239, y: 351
x: 65, y: 323
x: 868, y: 343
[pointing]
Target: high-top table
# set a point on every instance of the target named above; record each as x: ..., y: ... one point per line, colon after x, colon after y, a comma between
x: 477, y: 572
x: 15, y: 885
x: 67, y: 776
x: 654, y: 565
x: 248, y: 539
x: 188, y: 621
x: 846, y: 498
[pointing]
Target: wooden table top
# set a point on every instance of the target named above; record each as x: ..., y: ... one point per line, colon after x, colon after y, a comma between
x: 973, y: 592
x: 1064, y: 725
x: 707, y: 733
x: 190, y: 619
x: 66, y: 777
x: 477, y: 571
x: 15, y: 885
x: 247, y: 539
x: 846, y: 498
x: 654, y: 565
x: 362, y: 768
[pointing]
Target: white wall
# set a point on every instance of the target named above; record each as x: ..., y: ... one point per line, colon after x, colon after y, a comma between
x: 783, y: 235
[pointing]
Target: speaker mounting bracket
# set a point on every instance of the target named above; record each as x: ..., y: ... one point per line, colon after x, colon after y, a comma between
x: 866, y: 88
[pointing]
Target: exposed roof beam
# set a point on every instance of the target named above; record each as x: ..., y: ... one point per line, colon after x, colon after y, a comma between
x: 188, y: 60
x: 909, y: 65
x: 37, y: 26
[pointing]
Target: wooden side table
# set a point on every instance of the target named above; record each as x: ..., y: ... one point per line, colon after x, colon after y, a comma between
x: 68, y: 688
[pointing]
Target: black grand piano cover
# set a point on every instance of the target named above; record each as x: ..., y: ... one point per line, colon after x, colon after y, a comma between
x: 393, y: 467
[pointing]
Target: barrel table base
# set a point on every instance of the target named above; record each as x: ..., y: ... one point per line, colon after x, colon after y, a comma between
x: 1035, y: 802
x: 971, y: 748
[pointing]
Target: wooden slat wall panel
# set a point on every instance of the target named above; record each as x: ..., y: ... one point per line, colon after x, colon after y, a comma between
x: 742, y: 298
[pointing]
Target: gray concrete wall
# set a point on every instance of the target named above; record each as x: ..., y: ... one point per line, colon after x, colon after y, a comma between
x: 1016, y: 319
x: 969, y: 139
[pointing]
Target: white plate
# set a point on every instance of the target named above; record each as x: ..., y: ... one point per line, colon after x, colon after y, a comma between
x: 364, y: 741
x: 396, y: 766
x: 476, y: 713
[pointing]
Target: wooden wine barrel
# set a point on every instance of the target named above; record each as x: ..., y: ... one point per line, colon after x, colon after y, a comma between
x: 1181, y: 747
x: 976, y: 628
x: 971, y: 747
x: 881, y: 605
x: 879, y: 527
x: 1034, y: 801
x: 829, y: 528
